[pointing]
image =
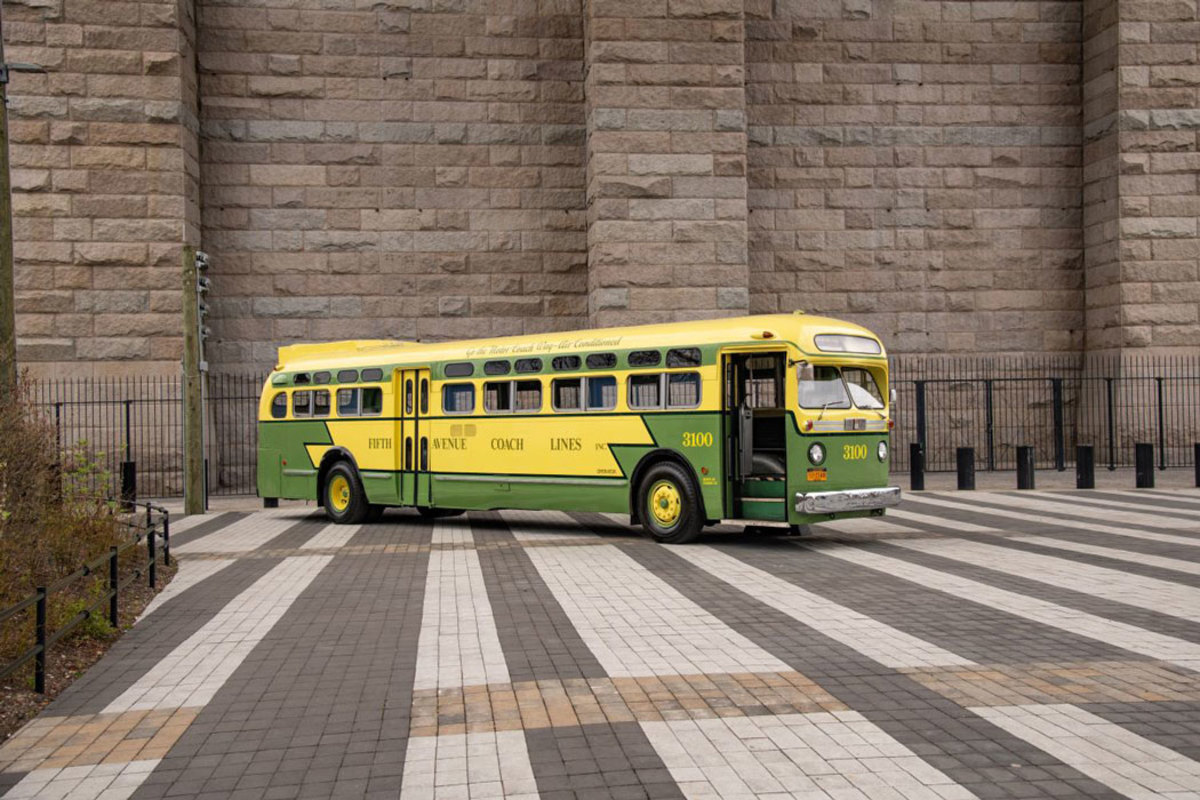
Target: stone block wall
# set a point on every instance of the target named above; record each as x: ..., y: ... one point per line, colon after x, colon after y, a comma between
x: 100, y: 182
x: 915, y: 166
x: 402, y: 169
x: 983, y: 176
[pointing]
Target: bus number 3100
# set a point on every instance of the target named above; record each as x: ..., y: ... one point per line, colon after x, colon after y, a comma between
x: 697, y: 439
x: 854, y: 452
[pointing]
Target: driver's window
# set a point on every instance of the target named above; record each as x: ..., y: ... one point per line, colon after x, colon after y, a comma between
x: 821, y: 388
x: 863, y: 389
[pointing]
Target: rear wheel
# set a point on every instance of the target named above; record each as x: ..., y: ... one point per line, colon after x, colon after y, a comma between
x: 345, y: 500
x: 670, y: 504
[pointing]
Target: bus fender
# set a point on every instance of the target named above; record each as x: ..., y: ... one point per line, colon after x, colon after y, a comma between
x: 331, y: 457
x: 648, y: 460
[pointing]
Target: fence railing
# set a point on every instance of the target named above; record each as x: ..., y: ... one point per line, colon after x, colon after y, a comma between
x: 994, y: 405
x: 1052, y: 404
x: 44, y: 639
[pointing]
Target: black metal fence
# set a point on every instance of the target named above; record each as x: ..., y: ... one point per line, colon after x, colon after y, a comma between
x: 139, y: 421
x: 994, y: 405
x: 156, y: 526
x: 1052, y: 404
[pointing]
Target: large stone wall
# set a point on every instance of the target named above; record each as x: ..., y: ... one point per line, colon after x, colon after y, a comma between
x: 101, y: 190
x: 964, y: 177
x: 914, y: 166
x: 410, y: 169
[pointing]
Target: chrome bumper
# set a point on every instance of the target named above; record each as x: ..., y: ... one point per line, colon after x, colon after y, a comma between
x: 848, y: 500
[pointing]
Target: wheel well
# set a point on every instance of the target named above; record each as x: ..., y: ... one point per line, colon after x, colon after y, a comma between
x: 331, y: 457
x: 649, y: 460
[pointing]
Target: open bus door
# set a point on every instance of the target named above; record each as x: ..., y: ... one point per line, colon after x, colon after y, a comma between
x: 755, y: 416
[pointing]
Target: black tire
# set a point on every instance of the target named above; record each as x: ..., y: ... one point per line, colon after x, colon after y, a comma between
x: 669, y: 482
x: 437, y: 513
x: 374, y: 513
x: 344, y: 504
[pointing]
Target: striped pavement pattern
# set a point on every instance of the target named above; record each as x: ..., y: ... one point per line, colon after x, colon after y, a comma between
x: 967, y: 646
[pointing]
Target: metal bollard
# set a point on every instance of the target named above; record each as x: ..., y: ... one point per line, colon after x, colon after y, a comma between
x: 128, y: 485
x: 166, y: 538
x: 916, y: 466
x: 966, y: 468
x: 1143, y: 460
x: 1196, y: 462
x: 114, y: 586
x: 270, y: 502
x: 1085, y: 467
x: 153, y: 566
x: 1025, y: 470
x: 39, y: 660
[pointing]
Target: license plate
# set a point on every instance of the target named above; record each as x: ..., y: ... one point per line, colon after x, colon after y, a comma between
x: 816, y: 475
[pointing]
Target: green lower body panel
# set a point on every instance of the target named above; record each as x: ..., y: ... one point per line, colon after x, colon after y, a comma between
x: 530, y: 492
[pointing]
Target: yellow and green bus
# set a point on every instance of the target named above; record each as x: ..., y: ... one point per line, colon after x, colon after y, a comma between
x: 777, y: 420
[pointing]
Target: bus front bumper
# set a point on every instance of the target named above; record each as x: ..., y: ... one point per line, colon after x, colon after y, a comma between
x: 848, y: 500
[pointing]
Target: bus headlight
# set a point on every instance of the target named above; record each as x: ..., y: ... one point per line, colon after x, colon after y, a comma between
x: 816, y: 453
x: 882, y: 451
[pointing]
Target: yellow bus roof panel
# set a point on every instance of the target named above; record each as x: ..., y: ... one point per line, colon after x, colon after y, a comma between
x: 796, y: 328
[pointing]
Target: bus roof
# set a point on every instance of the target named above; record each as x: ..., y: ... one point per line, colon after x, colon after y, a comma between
x: 798, y: 328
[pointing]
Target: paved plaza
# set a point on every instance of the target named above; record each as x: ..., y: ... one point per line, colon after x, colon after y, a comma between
x: 968, y: 645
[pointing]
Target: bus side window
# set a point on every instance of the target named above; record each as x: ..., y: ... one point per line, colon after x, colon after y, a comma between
x: 566, y: 394
x: 408, y: 396
x: 527, y: 395
x: 302, y: 404
x: 424, y: 396
x: 347, y: 402
x: 497, y: 397
x: 683, y: 390
x: 372, y: 401
x: 645, y: 391
x: 279, y: 405
x: 321, y: 403
x: 601, y: 393
x: 458, y: 398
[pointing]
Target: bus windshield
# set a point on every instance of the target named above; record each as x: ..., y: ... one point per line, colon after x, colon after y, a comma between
x: 822, y: 387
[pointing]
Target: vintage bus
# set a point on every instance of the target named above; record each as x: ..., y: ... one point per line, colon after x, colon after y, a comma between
x: 777, y: 420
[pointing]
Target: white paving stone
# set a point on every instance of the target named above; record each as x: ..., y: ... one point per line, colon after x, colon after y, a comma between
x: 1153, y: 594
x: 1137, y: 506
x: 476, y: 765
x: 332, y: 536
x: 1119, y: 634
x: 637, y: 624
x: 179, y: 524
x: 822, y: 755
x: 541, y: 526
x: 1108, y: 753
x: 874, y: 639
x: 189, y: 573
x: 92, y: 782
x: 1091, y: 527
x: 459, y: 645
x: 452, y: 530
x: 248, y: 533
x: 1058, y: 504
x: 193, y: 672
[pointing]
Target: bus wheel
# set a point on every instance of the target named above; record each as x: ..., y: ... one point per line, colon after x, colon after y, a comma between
x: 670, y: 504
x: 436, y: 513
x: 345, y: 501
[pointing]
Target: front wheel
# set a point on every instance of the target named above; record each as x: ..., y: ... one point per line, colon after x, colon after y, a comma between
x: 345, y: 500
x: 670, y: 504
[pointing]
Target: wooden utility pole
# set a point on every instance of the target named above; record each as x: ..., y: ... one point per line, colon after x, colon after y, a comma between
x: 193, y: 389
x: 8, y: 311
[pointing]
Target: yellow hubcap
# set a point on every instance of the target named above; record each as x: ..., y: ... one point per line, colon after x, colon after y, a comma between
x: 339, y: 493
x: 665, y: 503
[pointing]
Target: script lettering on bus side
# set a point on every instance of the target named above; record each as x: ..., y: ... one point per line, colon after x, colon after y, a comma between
x: 449, y: 443
x: 568, y: 444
